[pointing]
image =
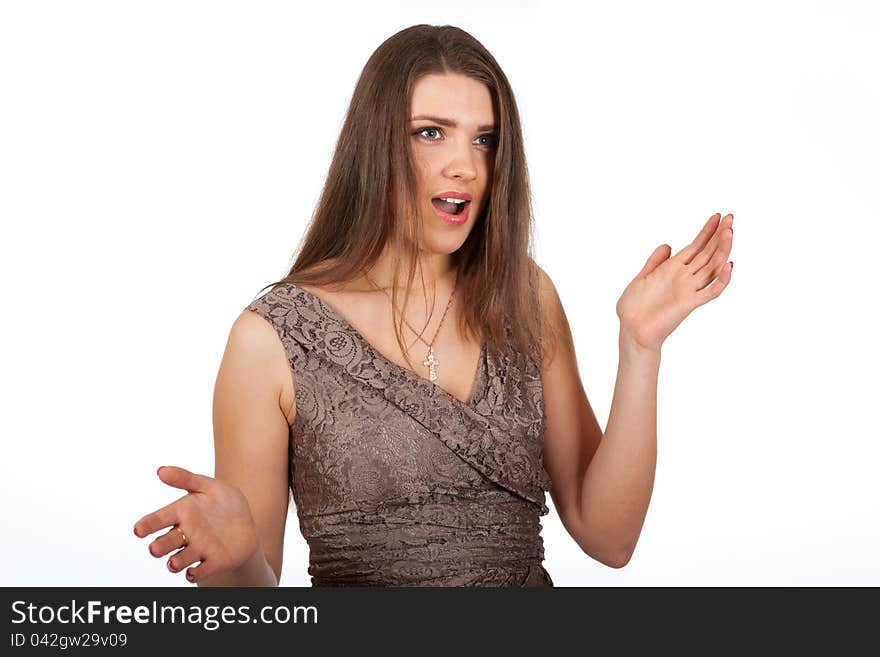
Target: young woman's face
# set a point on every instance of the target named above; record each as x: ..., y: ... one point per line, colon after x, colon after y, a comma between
x: 453, y: 141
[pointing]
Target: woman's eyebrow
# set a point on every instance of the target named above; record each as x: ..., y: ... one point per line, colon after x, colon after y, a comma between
x: 448, y: 122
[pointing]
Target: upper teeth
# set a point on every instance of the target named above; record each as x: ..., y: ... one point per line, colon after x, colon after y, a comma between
x: 453, y: 200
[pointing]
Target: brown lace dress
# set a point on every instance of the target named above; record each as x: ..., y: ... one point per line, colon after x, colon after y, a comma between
x: 396, y: 482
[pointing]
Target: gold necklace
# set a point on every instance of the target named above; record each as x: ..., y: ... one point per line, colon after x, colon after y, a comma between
x: 430, y: 361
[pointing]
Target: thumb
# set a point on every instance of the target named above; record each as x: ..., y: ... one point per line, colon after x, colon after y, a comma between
x: 659, y: 256
x: 182, y: 478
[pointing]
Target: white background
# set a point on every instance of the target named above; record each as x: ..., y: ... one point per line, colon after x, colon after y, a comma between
x: 159, y: 160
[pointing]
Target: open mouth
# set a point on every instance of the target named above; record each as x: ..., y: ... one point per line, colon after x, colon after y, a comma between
x: 448, y: 207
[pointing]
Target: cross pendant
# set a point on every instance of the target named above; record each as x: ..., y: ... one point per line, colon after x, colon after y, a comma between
x: 431, y: 363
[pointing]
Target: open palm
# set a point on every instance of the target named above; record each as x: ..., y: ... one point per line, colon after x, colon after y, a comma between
x: 668, y: 288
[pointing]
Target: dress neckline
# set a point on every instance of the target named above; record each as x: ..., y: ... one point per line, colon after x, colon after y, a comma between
x: 375, y: 353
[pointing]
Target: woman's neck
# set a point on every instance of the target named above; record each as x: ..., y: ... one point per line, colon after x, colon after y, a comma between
x: 437, y: 270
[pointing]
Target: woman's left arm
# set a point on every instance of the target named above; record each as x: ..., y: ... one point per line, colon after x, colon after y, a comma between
x: 602, y: 484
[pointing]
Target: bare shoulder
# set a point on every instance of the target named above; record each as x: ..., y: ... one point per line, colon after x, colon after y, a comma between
x: 253, y: 339
x: 546, y: 288
x: 553, y: 319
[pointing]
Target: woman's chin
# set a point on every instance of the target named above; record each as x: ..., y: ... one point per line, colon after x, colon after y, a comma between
x: 438, y: 242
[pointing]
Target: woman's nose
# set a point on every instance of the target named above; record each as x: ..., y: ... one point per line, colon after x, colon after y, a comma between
x: 462, y: 164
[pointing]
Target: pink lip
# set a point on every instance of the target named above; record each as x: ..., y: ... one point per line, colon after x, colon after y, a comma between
x: 454, y: 219
x: 453, y: 194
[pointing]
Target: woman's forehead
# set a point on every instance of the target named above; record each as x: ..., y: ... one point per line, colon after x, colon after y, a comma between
x: 456, y: 99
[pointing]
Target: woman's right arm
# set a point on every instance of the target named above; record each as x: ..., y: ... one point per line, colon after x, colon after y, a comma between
x: 251, y: 441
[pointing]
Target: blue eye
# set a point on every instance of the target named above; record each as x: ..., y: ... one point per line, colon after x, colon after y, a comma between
x: 492, y: 137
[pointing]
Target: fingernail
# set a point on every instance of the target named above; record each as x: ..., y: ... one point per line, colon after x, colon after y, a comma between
x: 170, y: 567
x: 190, y: 577
x: 136, y: 532
x: 731, y: 265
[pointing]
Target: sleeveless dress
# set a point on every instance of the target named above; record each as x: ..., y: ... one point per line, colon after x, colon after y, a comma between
x: 397, y: 482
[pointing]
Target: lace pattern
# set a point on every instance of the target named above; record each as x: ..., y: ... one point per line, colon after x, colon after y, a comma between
x: 396, y: 481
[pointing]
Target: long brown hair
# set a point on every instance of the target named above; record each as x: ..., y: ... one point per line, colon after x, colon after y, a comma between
x: 359, y: 207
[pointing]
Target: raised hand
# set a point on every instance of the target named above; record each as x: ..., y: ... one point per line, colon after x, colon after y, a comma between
x: 668, y: 288
x: 212, y: 523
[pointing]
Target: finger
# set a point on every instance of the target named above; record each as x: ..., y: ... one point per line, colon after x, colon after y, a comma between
x: 180, y: 560
x: 700, y: 259
x: 688, y: 252
x: 705, y: 274
x: 181, y: 478
x: 168, y: 542
x: 657, y: 258
x: 167, y: 516
x: 717, y: 287
x: 200, y: 572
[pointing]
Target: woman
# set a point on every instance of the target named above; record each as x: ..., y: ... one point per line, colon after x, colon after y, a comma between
x: 413, y: 380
